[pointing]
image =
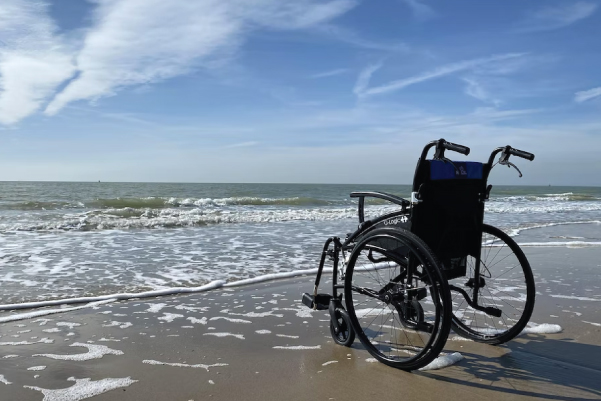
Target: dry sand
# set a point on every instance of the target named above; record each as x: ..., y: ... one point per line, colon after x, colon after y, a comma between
x: 259, y: 343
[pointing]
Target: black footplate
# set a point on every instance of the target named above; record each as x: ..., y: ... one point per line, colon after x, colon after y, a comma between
x: 320, y: 302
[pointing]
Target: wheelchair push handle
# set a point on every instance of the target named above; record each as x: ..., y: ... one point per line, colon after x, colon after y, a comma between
x: 519, y: 153
x: 464, y: 150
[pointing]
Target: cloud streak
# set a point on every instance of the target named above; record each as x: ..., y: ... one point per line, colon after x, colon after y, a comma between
x: 135, y: 42
x: 364, y: 78
x: 331, y: 73
x: 442, y: 71
x: 131, y: 43
x: 556, y: 17
x: 587, y: 95
x: 34, y: 59
x: 420, y: 10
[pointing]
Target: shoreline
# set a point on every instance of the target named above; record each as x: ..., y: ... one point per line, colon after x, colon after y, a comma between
x: 260, y: 341
x: 531, y: 236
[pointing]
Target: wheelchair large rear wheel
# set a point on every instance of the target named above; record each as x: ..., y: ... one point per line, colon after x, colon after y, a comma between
x: 506, y: 284
x: 397, y: 299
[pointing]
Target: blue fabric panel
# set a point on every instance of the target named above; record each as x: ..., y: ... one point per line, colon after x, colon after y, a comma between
x: 440, y: 170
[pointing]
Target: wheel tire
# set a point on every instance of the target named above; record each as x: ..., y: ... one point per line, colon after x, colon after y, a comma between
x: 346, y: 335
x: 509, y: 286
x: 376, y: 320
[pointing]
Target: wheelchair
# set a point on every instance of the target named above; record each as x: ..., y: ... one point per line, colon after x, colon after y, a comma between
x: 402, y: 280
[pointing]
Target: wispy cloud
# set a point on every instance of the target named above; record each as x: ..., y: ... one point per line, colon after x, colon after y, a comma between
x: 352, y: 38
x: 364, y: 78
x: 330, y: 73
x: 34, y: 59
x: 556, y: 17
x: 477, y: 91
x: 435, y: 73
x: 584, y: 96
x: 135, y: 42
x: 420, y: 10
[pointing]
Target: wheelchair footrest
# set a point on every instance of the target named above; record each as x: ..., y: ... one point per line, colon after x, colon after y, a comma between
x: 320, y: 302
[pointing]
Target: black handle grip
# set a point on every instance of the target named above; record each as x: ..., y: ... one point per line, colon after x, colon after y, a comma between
x: 521, y: 153
x: 464, y: 150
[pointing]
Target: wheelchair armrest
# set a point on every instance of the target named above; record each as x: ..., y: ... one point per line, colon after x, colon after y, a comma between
x: 380, y: 195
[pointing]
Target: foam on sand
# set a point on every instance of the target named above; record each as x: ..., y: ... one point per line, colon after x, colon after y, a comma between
x: 184, y: 365
x: 240, y: 336
x: 36, y: 368
x: 170, y: 317
x: 95, y: 351
x: 161, y: 292
x: 298, y: 347
x: 83, y: 388
x: 44, y: 312
x: 229, y: 319
x: 443, y: 361
x: 545, y: 328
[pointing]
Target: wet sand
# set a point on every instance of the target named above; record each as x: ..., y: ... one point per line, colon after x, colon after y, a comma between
x: 260, y: 343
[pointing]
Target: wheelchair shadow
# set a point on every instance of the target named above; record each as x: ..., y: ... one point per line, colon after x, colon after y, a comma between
x: 536, y: 366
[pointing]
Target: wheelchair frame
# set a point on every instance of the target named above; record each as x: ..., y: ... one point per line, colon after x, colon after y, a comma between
x: 334, y: 248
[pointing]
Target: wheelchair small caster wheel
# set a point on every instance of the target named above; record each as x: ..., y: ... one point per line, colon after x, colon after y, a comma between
x: 345, y: 335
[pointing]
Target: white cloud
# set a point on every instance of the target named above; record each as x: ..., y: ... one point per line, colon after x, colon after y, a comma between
x: 364, y: 78
x: 420, y: 10
x: 33, y: 59
x: 475, y: 89
x: 558, y: 16
x: 583, y: 96
x: 436, y: 73
x: 131, y: 42
x: 331, y: 73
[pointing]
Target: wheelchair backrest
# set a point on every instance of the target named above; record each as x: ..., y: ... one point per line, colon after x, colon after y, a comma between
x: 450, y: 211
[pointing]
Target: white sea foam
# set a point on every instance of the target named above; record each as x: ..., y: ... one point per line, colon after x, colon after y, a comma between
x: 13, y: 343
x: 95, y: 351
x: 83, y: 388
x: 195, y: 320
x: 229, y: 319
x: 184, y: 365
x: 443, y: 361
x: 121, y: 325
x: 298, y: 347
x: 170, y: 317
x: 44, y: 312
x: 155, y: 308
x: 575, y: 297
x: 263, y: 331
x: 37, y: 368
x: 3, y: 380
x: 593, y: 323
x: 328, y: 363
x: 155, y: 293
x: 239, y: 336
x: 70, y: 325
x: 544, y: 328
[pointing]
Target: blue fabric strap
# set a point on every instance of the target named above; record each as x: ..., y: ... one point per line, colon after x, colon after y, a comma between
x: 440, y: 170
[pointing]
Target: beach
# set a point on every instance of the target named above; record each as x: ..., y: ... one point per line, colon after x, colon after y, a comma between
x: 258, y: 342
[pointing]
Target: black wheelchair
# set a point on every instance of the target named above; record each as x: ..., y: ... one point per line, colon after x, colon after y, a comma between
x: 409, y: 276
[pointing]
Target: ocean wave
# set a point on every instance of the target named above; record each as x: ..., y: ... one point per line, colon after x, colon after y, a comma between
x: 563, y: 197
x: 163, y: 202
x: 130, y: 218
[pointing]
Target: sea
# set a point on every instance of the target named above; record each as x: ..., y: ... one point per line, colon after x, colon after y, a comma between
x: 64, y: 240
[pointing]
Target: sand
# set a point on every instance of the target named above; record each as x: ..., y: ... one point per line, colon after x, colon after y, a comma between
x: 258, y: 342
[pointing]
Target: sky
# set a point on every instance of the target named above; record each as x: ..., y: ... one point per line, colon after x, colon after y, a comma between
x: 332, y: 91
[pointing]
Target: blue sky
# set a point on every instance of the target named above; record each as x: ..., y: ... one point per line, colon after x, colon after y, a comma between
x: 338, y: 91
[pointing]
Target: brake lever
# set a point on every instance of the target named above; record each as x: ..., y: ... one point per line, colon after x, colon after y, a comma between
x: 509, y: 165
